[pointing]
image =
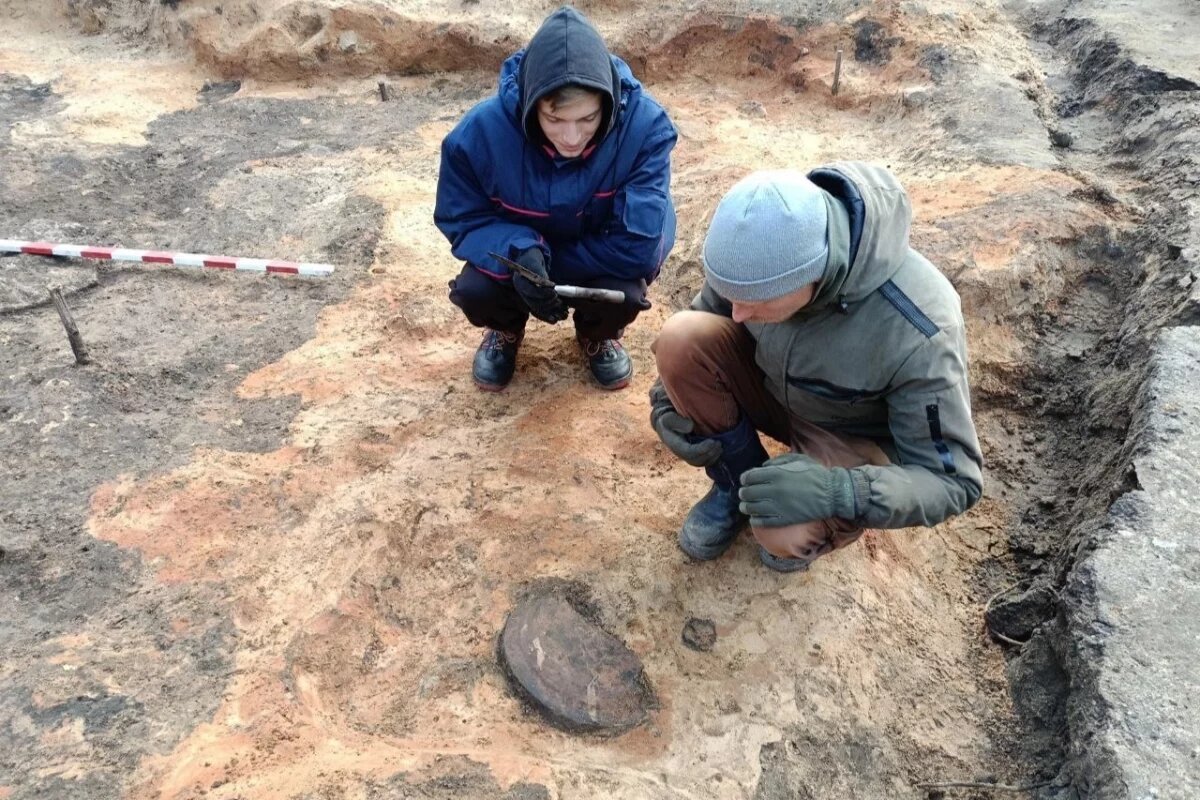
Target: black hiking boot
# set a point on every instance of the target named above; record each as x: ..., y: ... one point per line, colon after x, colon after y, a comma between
x: 782, y: 564
x: 610, y: 364
x: 714, y: 522
x: 496, y: 359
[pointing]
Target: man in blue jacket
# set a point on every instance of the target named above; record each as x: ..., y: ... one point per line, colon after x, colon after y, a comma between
x: 566, y: 170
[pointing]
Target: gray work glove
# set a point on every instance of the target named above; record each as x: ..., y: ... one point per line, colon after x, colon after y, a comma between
x: 543, y: 302
x: 674, y: 429
x: 793, y: 488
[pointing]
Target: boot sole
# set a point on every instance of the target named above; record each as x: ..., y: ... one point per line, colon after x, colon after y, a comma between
x: 699, y: 552
x: 788, y: 565
x: 491, y: 387
x: 612, y: 387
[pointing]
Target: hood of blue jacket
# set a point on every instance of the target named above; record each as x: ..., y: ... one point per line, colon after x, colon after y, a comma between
x: 566, y: 49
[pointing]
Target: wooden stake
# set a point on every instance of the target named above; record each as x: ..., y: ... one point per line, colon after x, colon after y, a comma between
x: 383, y: 92
x: 837, y: 72
x: 64, y: 313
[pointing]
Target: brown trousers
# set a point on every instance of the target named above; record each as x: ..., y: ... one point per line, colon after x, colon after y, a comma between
x: 707, y: 365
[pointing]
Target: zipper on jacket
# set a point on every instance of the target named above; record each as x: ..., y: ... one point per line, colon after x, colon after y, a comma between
x: 832, y: 391
x: 934, y: 418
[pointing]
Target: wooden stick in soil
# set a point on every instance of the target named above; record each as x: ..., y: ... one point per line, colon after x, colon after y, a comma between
x: 383, y: 91
x: 837, y: 72
x: 64, y: 313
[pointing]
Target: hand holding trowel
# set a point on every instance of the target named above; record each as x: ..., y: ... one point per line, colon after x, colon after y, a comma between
x: 562, y: 290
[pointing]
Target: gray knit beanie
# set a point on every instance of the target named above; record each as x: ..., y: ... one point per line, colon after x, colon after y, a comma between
x: 768, y: 237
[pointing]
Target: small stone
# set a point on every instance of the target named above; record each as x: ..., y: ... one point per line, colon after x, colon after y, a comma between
x: 1016, y: 615
x: 700, y: 634
x: 348, y: 42
x: 579, y: 676
x: 212, y: 92
x: 1061, y: 139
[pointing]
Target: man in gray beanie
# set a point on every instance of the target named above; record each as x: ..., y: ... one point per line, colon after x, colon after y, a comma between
x: 818, y: 326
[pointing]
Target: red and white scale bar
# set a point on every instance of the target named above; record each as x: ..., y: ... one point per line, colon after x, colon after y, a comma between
x: 194, y: 260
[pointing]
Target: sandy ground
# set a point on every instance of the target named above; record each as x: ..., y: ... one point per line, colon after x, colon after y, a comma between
x: 317, y: 524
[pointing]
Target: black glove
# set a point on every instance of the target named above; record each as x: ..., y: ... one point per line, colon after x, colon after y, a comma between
x: 542, y: 301
x: 673, y: 428
x: 639, y: 299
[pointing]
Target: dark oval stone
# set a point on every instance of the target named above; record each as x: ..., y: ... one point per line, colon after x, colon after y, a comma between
x: 579, y: 676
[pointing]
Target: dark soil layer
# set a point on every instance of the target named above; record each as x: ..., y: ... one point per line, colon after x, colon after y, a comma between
x: 169, y: 348
x: 1112, y: 117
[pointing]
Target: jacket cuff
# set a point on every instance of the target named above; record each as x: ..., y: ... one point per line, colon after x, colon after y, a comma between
x: 857, y: 496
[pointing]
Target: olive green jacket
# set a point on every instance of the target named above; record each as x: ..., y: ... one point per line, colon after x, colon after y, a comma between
x: 880, y: 352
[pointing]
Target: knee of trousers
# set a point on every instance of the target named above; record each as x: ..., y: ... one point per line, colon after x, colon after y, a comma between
x: 683, y: 338
x: 785, y: 542
x: 474, y: 291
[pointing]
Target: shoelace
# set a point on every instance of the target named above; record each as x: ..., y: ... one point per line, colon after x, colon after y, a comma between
x: 602, y: 347
x: 497, y: 340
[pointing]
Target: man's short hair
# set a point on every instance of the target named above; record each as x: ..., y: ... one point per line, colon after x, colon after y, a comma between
x: 567, y: 94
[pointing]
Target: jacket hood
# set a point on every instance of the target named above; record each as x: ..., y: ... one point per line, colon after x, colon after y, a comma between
x: 565, y: 50
x: 870, y: 218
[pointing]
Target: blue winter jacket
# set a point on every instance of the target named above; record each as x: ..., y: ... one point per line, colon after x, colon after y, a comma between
x: 503, y: 189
